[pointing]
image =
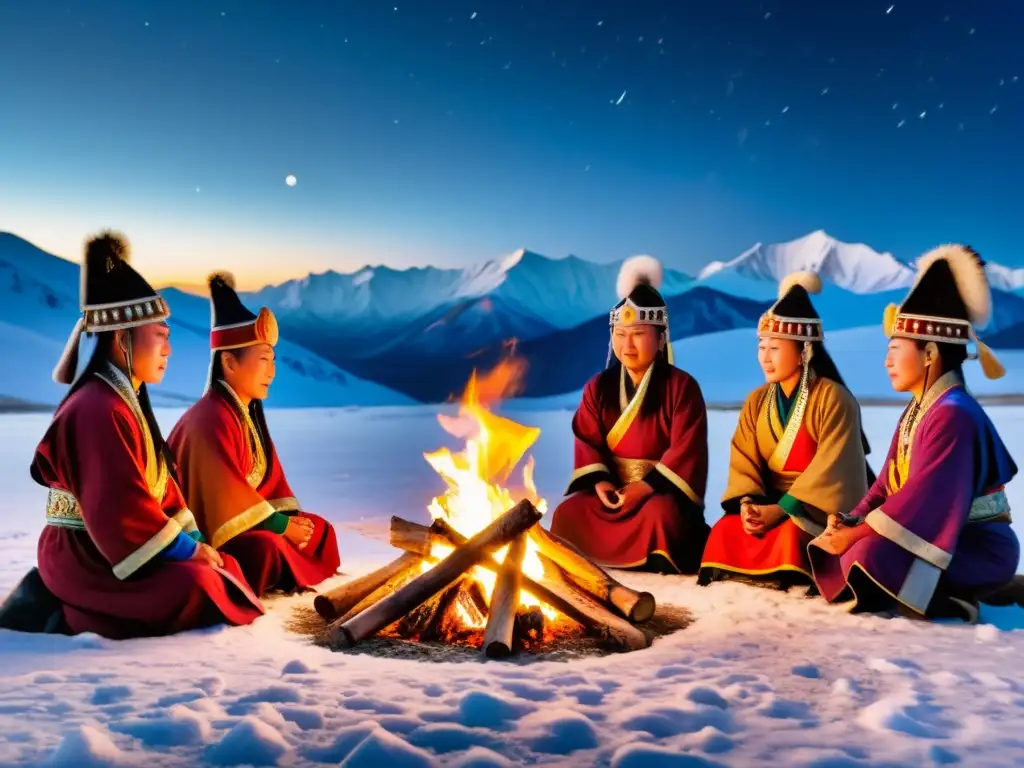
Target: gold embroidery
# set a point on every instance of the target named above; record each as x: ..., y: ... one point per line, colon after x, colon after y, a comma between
x: 914, y: 415
x: 256, y: 452
x: 241, y: 523
x: 62, y: 509
x: 155, y: 470
x: 796, y: 419
x: 632, y: 470
x: 630, y: 410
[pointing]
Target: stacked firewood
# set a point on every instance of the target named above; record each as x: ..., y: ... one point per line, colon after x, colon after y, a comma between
x: 446, y: 602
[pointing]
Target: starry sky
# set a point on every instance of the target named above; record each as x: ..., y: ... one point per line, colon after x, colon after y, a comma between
x: 448, y: 132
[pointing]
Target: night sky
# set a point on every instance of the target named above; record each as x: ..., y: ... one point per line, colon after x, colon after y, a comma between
x: 447, y: 133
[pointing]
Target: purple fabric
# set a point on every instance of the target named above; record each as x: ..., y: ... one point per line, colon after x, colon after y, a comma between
x: 956, y: 457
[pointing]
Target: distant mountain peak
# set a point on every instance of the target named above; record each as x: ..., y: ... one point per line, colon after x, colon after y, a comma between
x: 855, y: 267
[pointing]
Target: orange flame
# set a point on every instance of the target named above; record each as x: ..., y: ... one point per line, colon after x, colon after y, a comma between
x: 494, y: 446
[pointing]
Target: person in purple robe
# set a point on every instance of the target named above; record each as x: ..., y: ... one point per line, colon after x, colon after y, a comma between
x: 932, y: 537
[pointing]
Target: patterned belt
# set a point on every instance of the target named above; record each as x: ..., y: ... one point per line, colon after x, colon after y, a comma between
x: 632, y: 470
x: 993, y: 507
x: 62, y: 509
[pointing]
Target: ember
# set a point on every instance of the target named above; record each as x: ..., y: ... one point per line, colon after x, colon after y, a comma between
x: 485, y: 572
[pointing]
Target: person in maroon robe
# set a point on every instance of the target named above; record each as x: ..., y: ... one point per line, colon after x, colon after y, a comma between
x: 636, y: 498
x: 230, y: 470
x: 932, y: 537
x: 120, y: 554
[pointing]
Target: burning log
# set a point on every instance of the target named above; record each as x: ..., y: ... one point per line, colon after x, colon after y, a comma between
x: 397, y: 581
x: 529, y: 627
x: 501, y: 616
x: 412, y: 594
x: 558, y: 591
x: 338, y: 601
x: 635, y: 606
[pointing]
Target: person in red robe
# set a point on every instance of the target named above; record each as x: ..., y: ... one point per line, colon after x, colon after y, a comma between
x: 636, y: 498
x: 230, y: 470
x: 120, y: 554
x: 797, y: 455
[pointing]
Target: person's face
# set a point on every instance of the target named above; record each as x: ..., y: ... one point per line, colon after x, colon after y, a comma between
x: 636, y: 346
x: 250, y: 370
x: 151, y: 347
x: 779, y: 358
x: 905, y: 364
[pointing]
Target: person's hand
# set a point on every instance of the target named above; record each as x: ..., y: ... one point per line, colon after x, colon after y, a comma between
x: 204, y: 553
x: 635, y: 494
x: 836, y: 541
x: 299, y: 531
x: 608, y: 494
x: 768, y: 515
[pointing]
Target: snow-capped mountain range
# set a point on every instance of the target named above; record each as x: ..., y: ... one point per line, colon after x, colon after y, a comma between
x: 365, y: 337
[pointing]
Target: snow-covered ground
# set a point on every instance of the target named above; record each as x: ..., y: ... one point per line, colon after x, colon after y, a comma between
x: 759, y: 678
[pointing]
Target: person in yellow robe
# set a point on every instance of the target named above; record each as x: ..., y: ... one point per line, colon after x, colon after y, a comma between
x: 798, y: 453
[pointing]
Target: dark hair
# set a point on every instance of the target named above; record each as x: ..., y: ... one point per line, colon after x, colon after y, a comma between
x: 256, y: 411
x: 102, y: 356
x: 952, y: 356
x: 825, y: 367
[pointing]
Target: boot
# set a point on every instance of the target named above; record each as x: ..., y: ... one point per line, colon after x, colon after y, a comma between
x: 31, y: 607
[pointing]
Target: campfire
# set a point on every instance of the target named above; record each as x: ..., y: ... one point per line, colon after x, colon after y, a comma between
x: 485, y: 572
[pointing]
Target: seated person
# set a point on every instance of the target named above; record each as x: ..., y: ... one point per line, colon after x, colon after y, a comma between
x: 932, y: 537
x: 636, y: 499
x: 797, y: 453
x: 230, y: 471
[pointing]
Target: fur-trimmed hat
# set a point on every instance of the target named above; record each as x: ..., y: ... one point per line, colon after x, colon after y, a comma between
x: 113, y: 296
x: 637, y: 288
x: 949, y: 300
x: 793, y: 315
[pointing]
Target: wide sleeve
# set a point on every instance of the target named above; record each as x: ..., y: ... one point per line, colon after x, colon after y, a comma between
x: 107, y: 472
x: 835, y: 479
x: 746, y: 467
x: 590, y: 454
x: 211, y: 457
x: 879, y: 490
x: 926, y: 514
x: 683, y: 466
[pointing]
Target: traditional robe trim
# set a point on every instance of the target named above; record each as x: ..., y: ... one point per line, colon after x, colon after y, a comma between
x: 186, y: 520
x: 62, y: 509
x: 679, y: 483
x: 241, y: 523
x: 259, y: 455
x: 630, y: 412
x: 886, y: 526
x: 147, y: 551
x: 911, y: 420
x: 777, y: 461
x: 589, y: 469
x: 286, y: 504
x: 807, y: 524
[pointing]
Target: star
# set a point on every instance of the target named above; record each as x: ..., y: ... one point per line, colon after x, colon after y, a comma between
x: 824, y: 91
x: 889, y: 10
x: 290, y: 180
x: 473, y: 16
x: 901, y: 123
x: 921, y: 116
x: 785, y: 110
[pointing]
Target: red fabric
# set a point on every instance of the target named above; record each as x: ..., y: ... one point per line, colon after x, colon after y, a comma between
x: 802, y: 453
x: 95, y: 450
x: 615, y: 539
x: 234, y: 337
x: 270, y: 561
x: 212, y: 448
x: 783, y: 548
x: 675, y: 434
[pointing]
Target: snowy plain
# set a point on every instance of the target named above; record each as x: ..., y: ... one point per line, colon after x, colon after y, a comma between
x: 759, y: 678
